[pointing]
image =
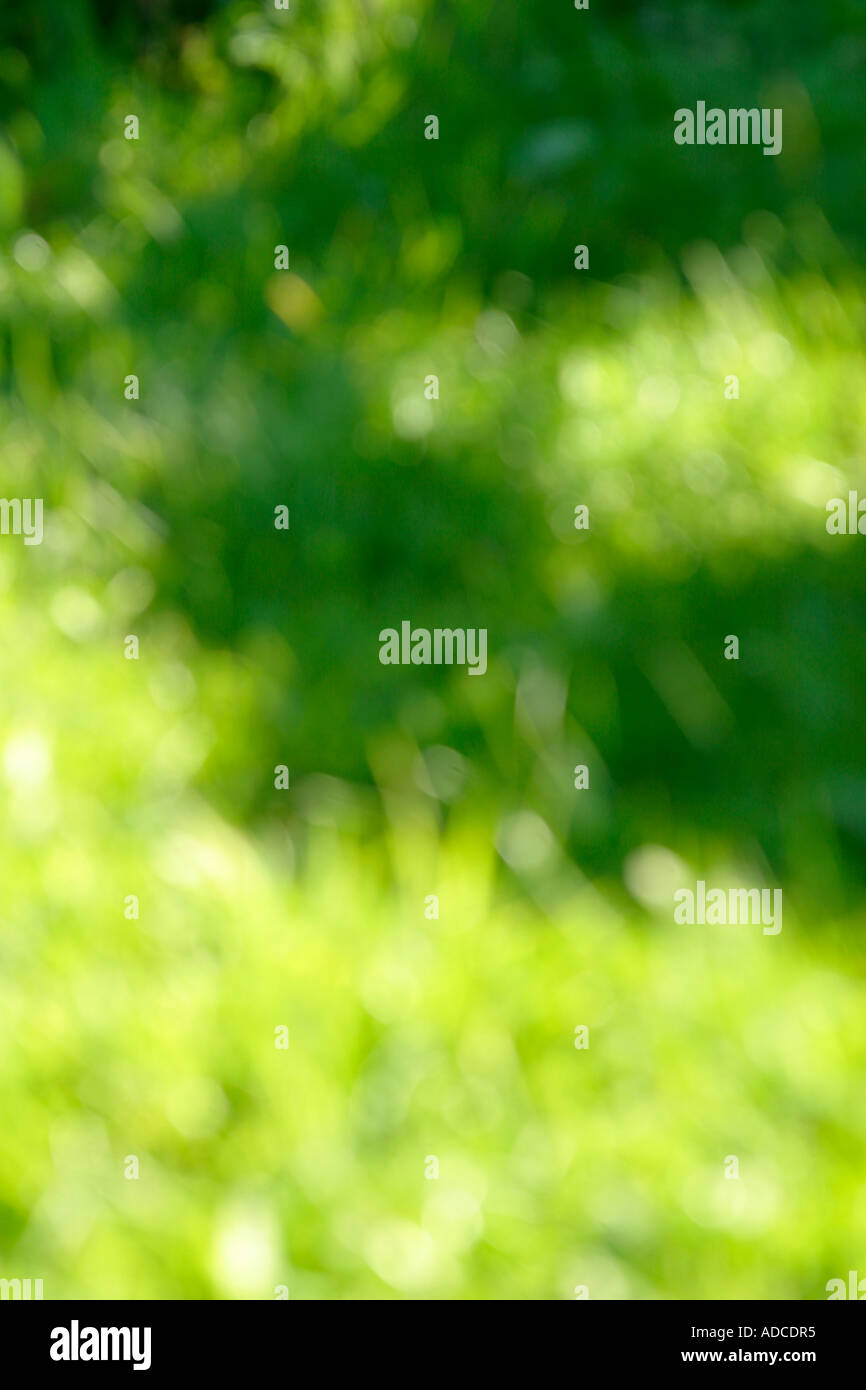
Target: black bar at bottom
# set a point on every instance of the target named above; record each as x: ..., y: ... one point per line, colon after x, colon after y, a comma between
x: 225, y: 1339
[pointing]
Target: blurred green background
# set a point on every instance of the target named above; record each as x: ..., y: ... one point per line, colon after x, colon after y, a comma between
x: 412, y: 1038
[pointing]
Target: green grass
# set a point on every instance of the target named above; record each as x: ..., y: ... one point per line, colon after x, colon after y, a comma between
x: 414, y: 1038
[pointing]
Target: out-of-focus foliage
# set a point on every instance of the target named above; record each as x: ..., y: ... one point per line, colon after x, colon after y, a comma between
x: 411, y: 1037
